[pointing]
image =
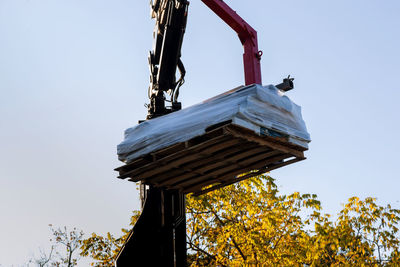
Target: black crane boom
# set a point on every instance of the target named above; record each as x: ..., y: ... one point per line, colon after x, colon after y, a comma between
x: 165, y: 58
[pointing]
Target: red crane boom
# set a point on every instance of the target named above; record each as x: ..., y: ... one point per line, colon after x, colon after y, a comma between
x: 247, y: 36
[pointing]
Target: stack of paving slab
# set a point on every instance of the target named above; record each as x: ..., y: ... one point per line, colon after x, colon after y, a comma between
x: 233, y: 136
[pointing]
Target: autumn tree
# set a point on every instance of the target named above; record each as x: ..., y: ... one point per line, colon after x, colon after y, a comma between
x: 363, y: 234
x: 65, y: 245
x: 251, y: 224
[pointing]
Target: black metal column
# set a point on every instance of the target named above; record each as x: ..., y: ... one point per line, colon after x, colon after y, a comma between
x: 159, y: 236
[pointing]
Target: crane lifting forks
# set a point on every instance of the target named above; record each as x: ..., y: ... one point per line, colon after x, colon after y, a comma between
x: 159, y: 236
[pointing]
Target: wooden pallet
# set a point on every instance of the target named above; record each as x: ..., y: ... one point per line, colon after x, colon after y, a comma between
x: 224, y: 155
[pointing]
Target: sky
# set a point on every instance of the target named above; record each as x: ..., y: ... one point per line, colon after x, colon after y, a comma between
x: 74, y: 75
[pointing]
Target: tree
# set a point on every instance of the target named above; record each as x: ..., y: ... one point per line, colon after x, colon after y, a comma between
x: 251, y: 224
x: 64, y: 247
x: 364, y: 234
x: 44, y: 259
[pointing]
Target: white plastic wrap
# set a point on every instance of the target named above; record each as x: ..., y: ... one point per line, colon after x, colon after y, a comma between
x: 258, y: 108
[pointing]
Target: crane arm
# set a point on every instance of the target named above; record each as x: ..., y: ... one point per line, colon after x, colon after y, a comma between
x: 247, y: 36
x: 165, y: 57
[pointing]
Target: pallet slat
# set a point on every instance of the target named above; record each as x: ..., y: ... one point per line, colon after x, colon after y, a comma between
x: 230, y: 173
x: 203, y: 165
x: 259, y: 172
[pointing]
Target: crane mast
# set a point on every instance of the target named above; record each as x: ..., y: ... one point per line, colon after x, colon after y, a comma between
x: 165, y: 57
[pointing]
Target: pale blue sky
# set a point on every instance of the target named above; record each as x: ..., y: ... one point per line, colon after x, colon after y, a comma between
x: 74, y: 75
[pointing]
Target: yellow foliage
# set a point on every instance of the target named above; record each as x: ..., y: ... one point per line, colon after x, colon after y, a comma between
x: 251, y: 224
